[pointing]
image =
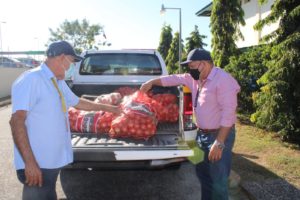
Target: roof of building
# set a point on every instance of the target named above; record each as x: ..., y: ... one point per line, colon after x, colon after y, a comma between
x: 206, y: 11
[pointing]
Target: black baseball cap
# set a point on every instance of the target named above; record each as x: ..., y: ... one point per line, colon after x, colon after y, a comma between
x: 62, y: 47
x: 197, y: 54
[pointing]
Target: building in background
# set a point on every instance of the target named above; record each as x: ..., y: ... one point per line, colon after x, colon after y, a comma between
x: 253, y: 13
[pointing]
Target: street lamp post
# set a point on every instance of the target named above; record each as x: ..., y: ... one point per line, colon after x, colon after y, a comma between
x: 162, y: 11
x: 1, y: 22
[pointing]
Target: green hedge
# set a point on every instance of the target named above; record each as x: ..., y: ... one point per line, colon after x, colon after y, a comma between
x: 278, y: 102
x: 247, y: 68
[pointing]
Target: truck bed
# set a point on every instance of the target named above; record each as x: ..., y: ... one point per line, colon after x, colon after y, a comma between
x: 99, y: 150
x: 165, y: 137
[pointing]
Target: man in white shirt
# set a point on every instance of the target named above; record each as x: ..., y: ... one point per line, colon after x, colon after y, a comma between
x: 40, y: 125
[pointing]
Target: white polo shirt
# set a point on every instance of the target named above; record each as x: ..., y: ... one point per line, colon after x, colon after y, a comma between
x: 49, y: 137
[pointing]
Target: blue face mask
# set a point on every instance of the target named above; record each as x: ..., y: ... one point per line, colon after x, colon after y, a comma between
x: 195, y: 74
x: 69, y: 73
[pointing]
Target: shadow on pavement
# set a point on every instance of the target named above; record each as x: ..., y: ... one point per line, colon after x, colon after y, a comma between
x: 259, y: 182
x: 131, y: 184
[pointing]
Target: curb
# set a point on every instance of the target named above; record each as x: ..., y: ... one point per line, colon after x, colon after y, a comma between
x: 234, y: 179
x: 5, y: 102
x: 247, y: 192
x: 236, y: 189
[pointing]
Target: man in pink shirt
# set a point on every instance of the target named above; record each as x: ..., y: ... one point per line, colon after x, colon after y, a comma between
x: 214, y: 94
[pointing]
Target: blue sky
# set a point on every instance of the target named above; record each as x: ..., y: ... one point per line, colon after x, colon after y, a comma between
x: 127, y: 23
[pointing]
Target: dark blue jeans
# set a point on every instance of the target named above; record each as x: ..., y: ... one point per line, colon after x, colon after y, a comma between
x: 214, y: 176
x: 46, y: 192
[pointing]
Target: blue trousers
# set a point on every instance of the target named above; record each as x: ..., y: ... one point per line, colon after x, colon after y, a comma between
x: 213, y: 176
x: 46, y: 192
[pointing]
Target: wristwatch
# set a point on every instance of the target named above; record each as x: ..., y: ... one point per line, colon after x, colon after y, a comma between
x: 220, y: 145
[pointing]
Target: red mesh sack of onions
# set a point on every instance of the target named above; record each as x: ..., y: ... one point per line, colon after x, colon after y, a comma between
x: 103, y: 122
x: 165, y: 99
x: 165, y: 107
x: 137, y: 121
x: 81, y: 121
x: 73, y: 115
x: 89, y: 121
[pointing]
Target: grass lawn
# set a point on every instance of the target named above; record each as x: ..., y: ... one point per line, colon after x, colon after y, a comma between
x: 259, y: 155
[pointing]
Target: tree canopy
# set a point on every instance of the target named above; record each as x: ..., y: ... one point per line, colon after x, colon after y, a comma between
x: 172, y: 59
x: 278, y: 102
x: 195, y: 40
x: 169, y: 46
x: 81, y: 34
x: 226, y: 16
x: 165, y: 41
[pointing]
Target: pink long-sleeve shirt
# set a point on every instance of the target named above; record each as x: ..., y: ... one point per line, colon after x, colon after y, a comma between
x: 217, y: 100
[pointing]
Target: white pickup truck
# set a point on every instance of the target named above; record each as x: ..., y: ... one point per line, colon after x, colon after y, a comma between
x: 101, y: 72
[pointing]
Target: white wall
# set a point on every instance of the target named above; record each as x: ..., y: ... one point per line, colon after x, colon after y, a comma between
x: 265, y: 11
x: 253, y: 13
x: 251, y: 17
x: 7, y: 77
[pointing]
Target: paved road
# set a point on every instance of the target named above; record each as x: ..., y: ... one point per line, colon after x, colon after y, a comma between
x: 84, y: 185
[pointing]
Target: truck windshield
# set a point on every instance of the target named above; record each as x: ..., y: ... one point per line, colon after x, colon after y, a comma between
x: 120, y: 64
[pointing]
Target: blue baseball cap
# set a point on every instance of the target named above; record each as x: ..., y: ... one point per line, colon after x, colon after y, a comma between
x: 197, y: 54
x: 62, y: 47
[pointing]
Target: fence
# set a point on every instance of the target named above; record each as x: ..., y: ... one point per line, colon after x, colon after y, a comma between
x: 7, y: 77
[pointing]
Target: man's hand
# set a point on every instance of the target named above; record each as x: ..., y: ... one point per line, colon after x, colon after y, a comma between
x: 215, y: 153
x: 88, y: 105
x: 33, y: 174
x: 116, y: 110
x: 145, y: 87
